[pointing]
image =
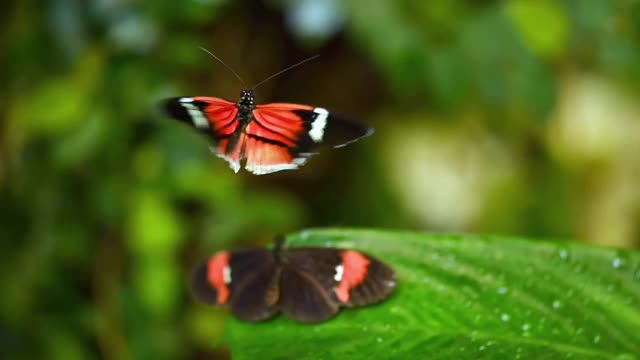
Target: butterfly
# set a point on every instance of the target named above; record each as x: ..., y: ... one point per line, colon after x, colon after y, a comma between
x: 307, y: 284
x: 271, y: 137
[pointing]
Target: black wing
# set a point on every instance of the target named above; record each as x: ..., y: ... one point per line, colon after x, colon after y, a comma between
x: 363, y: 278
x: 377, y: 285
x: 252, y: 282
x: 308, y: 283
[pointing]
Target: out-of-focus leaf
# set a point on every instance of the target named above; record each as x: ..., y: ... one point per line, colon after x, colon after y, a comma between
x: 157, y: 281
x: 191, y: 12
x: 60, y: 103
x: 148, y: 162
x: 84, y: 141
x: 506, y: 75
x: 395, y: 43
x: 469, y: 297
x: 62, y: 344
x: 255, y: 214
x: 197, y: 180
x: 542, y: 24
x: 55, y: 106
x: 204, y: 324
x: 448, y: 75
x: 154, y: 225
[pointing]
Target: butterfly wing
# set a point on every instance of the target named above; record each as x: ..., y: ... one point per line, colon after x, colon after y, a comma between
x: 377, y: 285
x: 215, y: 117
x: 246, y: 280
x: 347, y: 278
x: 255, y: 290
x: 304, y: 296
x: 282, y: 136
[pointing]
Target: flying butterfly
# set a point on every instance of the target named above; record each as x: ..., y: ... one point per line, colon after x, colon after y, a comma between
x: 307, y: 284
x: 271, y: 137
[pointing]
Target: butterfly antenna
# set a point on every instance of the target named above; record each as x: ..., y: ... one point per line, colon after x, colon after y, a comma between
x: 285, y: 70
x: 225, y: 65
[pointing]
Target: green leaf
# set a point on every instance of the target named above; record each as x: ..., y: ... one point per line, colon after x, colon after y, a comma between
x: 542, y: 24
x: 469, y: 297
x: 156, y: 280
x: 154, y: 226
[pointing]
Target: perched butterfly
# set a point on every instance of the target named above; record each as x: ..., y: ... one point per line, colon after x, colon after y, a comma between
x: 271, y: 137
x: 308, y: 284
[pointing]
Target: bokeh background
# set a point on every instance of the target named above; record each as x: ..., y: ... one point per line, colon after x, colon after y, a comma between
x: 515, y: 117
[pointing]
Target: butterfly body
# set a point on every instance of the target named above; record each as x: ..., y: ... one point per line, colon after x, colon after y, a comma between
x: 271, y: 137
x: 246, y: 105
x: 307, y: 284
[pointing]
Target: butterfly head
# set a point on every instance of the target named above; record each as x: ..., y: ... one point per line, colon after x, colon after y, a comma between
x: 246, y: 102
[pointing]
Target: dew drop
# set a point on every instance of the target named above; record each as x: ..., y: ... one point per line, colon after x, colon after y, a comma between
x: 504, y: 317
x: 502, y: 290
x: 481, y: 348
x: 379, y: 340
x: 596, y: 339
x: 525, y: 327
x: 616, y: 263
x: 556, y: 304
x: 563, y: 254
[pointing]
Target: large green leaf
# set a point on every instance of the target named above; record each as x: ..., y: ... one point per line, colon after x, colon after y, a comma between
x: 469, y: 297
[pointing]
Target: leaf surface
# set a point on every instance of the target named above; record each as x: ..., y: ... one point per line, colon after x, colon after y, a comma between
x: 468, y: 297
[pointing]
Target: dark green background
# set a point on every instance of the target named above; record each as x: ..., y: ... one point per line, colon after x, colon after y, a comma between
x: 515, y: 117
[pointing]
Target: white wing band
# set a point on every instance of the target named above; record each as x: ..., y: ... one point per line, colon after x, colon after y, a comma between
x: 317, y: 127
x: 197, y: 117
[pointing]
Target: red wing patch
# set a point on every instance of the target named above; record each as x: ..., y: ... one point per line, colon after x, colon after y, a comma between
x: 279, y: 123
x: 354, y: 271
x: 263, y: 157
x: 283, y: 107
x: 233, y: 155
x: 274, y: 138
x: 217, y: 275
x: 220, y: 114
x: 215, y: 116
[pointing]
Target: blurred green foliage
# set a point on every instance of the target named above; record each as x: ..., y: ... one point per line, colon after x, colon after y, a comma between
x: 516, y: 116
